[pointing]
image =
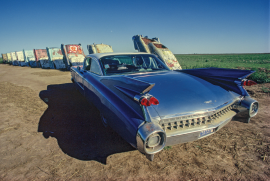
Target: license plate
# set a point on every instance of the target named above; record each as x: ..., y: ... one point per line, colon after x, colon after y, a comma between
x: 206, y: 132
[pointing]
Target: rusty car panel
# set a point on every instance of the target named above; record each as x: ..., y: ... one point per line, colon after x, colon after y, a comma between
x: 20, y: 58
x: 144, y: 44
x: 141, y: 43
x: 14, y: 59
x: 42, y: 58
x: 165, y: 55
x: 56, y: 58
x: 29, y: 58
x: 73, y: 55
x: 4, y: 57
x: 99, y: 48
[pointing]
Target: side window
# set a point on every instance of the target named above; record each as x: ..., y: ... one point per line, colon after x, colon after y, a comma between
x: 87, y: 64
x: 95, y: 68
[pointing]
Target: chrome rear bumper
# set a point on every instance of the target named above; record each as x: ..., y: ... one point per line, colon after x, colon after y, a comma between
x: 176, y: 137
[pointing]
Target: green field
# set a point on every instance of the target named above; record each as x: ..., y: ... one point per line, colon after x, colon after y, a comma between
x: 224, y: 61
x: 258, y: 62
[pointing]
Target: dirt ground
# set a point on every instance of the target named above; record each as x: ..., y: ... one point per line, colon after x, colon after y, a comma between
x: 78, y: 147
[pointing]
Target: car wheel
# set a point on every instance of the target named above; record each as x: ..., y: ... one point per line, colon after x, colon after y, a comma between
x: 104, y: 121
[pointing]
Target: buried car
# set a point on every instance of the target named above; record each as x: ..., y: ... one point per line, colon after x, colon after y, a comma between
x: 42, y: 58
x: 5, y: 58
x: 14, y: 59
x: 21, y: 59
x: 9, y: 60
x: 56, y: 58
x: 29, y: 58
x: 145, y: 44
x: 99, y: 48
x: 151, y: 106
x: 73, y: 55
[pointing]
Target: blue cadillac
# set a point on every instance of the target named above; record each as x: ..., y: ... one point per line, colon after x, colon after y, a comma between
x: 151, y: 106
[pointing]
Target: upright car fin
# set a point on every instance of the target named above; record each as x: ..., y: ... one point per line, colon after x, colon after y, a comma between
x: 228, y: 79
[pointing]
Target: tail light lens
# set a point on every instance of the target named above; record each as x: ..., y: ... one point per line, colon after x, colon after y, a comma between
x: 152, y: 100
x: 145, y: 102
x: 248, y: 83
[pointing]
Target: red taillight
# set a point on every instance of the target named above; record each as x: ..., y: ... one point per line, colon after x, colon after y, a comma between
x: 145, y: 102
x: 248, y: 83
x: 154, y: 101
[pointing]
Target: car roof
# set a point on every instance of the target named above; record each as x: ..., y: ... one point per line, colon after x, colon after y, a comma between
x: 99, y: 55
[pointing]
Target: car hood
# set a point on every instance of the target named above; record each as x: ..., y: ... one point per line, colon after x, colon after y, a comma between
x: 179, y: 93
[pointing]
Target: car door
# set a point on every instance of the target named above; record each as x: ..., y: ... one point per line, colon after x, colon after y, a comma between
x: 81, y: 73
x: 91, y: 82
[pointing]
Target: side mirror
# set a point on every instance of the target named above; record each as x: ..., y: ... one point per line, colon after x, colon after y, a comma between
x: 79, y: 68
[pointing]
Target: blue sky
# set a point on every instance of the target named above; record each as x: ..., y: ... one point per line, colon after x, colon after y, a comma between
x: 184, y: 26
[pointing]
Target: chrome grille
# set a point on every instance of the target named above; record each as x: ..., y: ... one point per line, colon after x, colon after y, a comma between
x: 193, y: 120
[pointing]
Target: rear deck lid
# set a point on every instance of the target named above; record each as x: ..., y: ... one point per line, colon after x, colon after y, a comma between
x: 182, y: 93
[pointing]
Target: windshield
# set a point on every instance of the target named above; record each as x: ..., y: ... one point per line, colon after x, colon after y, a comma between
x: 128, y: 64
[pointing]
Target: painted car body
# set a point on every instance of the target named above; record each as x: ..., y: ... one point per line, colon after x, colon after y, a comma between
x: 4, y: 57
x: 73, y: 55
x: 14, y: 59
x: 30, y: 58
x: 9, y: 58
x: 144, y: 44
x: 151, y: 106
x: 99, y: 48
x: 20, y: 57
x: 56, y: 58
x: 42, y: 58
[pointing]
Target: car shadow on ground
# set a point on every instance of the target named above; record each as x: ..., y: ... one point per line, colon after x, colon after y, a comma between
x: 241, y: 117
x: 77, y: 126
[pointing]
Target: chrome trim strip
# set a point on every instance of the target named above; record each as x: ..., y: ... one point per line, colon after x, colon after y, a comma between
x: 148, y: 88
x: 146, y: 114
x: 137, y: 97
x: 141, y: 81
